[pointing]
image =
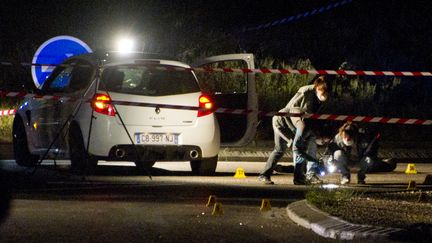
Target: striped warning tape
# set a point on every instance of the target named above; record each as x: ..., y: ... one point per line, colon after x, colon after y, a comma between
x: 315, y: 72
x: 7, y: 112
x: 36, y: 96
x: 330, y: 117
x: 370, y: 119
x: 265, y: 70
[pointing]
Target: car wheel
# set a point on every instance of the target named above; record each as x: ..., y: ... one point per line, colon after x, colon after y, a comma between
x: 205, y: 166
x: 22, y: 154
x: 81, y: 161
x: 144, y: 166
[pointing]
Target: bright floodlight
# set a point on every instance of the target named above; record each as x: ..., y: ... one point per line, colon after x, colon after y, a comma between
x: 125, y: 45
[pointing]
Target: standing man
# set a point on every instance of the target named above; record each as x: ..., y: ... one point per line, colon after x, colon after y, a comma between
x: 308, y: 99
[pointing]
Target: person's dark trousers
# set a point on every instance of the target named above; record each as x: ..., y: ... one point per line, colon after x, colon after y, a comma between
x: 364, y: 166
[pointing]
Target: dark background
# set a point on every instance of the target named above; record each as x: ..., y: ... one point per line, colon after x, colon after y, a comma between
x: 391, y: 35
x: 377, y: 35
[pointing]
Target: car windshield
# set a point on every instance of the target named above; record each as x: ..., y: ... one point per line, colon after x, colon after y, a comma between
x: 155, y: 80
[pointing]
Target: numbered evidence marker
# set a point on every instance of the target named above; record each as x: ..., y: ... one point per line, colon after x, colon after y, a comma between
x: 52, y: 52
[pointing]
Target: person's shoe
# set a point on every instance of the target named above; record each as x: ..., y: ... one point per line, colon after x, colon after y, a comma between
x: 313, y: 180
x: 300, y: 182
x: 361, y: 182
x: 344, y: 181
x: 266, y: 180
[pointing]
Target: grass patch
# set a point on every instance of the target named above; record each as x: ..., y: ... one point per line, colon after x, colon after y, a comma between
x: 406, y: 210
x: 6, y: 121
x: 6, y: 129
x: 330, y: 200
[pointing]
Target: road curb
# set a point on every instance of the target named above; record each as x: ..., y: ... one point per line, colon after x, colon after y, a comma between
x: 310, y: 217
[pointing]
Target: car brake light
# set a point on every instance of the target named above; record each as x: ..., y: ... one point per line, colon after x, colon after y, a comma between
x: 102, y: 104
x: 205, y: 106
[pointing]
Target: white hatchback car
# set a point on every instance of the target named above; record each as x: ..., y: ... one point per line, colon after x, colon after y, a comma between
x: 141, y: 110
x: 133, y: 109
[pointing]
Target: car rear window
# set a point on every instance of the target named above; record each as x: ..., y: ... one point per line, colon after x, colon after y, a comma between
x: 154, y: 80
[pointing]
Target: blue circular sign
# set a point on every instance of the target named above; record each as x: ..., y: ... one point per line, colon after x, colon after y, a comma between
x: 55, y: 51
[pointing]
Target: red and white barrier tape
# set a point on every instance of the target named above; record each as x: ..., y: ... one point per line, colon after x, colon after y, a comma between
x: 27, y: 95
x: 315, y: 72
x: 7, y: 112
x: 371, y: 119
x: 332, y: 117
x: 265, y: 70
x: 329, y: 117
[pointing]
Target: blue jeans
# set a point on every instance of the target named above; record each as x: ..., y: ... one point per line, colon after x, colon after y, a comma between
x: 301, y: 154
x: 341, y: 161
x: 282, y: 142
x: 304, y: 151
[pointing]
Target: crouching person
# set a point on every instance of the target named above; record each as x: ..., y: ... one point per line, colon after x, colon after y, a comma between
x: 345, y: 151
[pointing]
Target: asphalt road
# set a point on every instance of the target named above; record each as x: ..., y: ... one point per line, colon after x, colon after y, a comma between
x: 116, y: 203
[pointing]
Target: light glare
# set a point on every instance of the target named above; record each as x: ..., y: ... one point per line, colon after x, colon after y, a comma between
x: 330, y: 186
x: 331, y: 168
x: 125, y: 45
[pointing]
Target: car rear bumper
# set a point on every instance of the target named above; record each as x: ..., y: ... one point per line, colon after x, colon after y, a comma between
x: 106, y: 134
x: 128, y: 152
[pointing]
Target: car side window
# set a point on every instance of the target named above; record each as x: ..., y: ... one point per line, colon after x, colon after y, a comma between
x: 61, y: 82
x: 82, y: 75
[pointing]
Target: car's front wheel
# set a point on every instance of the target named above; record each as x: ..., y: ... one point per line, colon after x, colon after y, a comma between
x: 81, y: 161
x: 205, y: 166
x: 22, y: 154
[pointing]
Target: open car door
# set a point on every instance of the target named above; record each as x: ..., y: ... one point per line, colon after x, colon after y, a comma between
x: 233, y: 90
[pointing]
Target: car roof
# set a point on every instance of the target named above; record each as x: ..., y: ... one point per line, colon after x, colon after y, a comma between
x: 147, y: 61
x: 133, y: 59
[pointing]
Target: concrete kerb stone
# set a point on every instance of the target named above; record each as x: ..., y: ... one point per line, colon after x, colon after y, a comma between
x: 325, y: 225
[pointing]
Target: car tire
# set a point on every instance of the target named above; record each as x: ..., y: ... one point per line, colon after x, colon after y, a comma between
x: 144, y: 166
x: 205, y: 166
x: 81, y: 161
x: 22, y: 154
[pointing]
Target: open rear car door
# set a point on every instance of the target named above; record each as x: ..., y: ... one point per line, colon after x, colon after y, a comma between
x: 233, y: 90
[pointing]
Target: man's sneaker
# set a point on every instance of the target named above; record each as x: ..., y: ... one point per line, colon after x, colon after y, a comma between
x: 345, y: 180
x: 266, y: 180
x: 361, y: 182
x: 313, y: 180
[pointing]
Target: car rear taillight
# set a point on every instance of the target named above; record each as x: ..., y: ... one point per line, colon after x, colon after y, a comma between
x: 206, y: 105
x: 101, y: 103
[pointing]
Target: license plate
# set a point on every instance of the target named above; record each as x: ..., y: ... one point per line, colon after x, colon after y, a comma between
x: 156, y: 138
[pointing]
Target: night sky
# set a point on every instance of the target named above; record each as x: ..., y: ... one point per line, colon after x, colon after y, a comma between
x: 372, y: 35
x: 393, y: 35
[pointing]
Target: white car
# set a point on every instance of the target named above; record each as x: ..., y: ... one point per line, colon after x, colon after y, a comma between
x: 141, y: 110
